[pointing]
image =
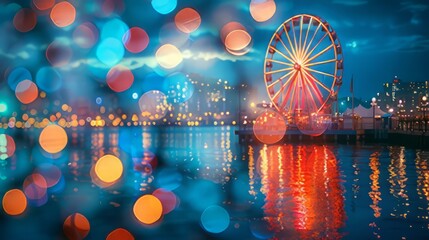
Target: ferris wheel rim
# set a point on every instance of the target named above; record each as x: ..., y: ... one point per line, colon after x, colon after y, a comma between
x: 291, y: 55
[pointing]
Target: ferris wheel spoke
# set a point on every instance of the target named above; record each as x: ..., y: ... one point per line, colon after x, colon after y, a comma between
x: 280, y: 70
x: 311, y: 40
x: 294, y: 40
x: 289, y: 40
x: 320, y: 63
x: 283, y: 86
x: 281, y: 54
x: 319, y: 72
x: 310, y: 96
x: 318, y: 54
x: 287, y: 97
x: 279, y: 62
x: 317, y: 81
x: 294, y: 93
x: 313, y: 86
x: 281, y: 78
x: 307, y: 55
x: 300, y: 37
x: 284, y: 45
x: 306, y: 35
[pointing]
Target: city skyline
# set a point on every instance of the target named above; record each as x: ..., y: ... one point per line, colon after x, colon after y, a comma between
x: 380, y: 41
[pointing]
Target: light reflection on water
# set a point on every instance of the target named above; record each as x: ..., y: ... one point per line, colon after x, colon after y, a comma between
x: 302, y: 190
x: 288, y: 191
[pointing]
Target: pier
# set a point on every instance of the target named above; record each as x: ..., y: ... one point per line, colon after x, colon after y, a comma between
x: 415, y: 139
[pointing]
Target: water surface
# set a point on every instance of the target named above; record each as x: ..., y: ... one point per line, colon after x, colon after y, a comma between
x: 285, y: 191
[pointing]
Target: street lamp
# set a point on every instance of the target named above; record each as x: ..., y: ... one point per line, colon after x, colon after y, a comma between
x: 373, y: 104
x: 423, y: 107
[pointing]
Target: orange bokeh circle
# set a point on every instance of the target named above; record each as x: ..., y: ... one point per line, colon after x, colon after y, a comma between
x: 26, y: 91
x: 269, y: 127
x: 228, y: 28
x: 262, y: 11
x: 187, y: 20
x: 53, y: 139
x: 63, y: 14
x: 120, y: 234
x: 43, y: 4
x: 76, y: 226
x: 237, y: 40
x: 14, y: 202
x: 148, y: 209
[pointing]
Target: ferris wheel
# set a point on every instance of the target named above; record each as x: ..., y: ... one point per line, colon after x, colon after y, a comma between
x: 303, y: 66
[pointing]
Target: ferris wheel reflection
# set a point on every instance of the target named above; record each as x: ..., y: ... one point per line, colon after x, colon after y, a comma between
x: 302, y: 190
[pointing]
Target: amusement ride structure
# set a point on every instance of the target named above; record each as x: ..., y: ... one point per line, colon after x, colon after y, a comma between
x: 303, y: 72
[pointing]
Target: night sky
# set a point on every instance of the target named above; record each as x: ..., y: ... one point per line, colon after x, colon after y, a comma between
x: 381, y: 39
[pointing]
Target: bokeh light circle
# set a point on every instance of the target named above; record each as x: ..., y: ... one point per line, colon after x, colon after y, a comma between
x: 262, y: 10
x: 25, y: 20
x: 215, y: 219
x: 168, y: 199
x: 119, y: 78
x: 85, y: 35
x: 53, y: 139
x: 153, y: 105
x: 76, y: 226
x: 110, y: 51
x: 314, y: 124
x: 120, y: 234
x: 269, y: 127
x: 109, y: 168
x: 35, y: 188
x: 228, y: 28
x: 7, y: 146
x: 16, y: 76
x: 148, y: 209
x: 14, y: 202
x: 58, y: 54
x: 168, y: 56
x: 178, y: 88
x: 63, y: 14
x: 164, y: 6
x: 114, y: 28
x: 49, y: 79
x: 238, y: 40
x: 135, y: 40
x: 187, y: 20
x: 26, y: 91
x: 50, y: 172
x: 43, y: 4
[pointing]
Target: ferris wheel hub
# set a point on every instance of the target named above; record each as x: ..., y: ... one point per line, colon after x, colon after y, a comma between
x: 297, y: 66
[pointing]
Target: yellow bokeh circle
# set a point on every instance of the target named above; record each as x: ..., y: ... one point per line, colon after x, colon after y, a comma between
x: 108, y: 168
x: 148, y: 209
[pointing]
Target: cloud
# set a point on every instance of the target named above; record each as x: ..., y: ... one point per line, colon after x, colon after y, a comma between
x: 207, y: 56
x: 413, y: 7
x: 134, y: 63
x: 350, y: 3
x: 411, y: 43
x: 7, y: 55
